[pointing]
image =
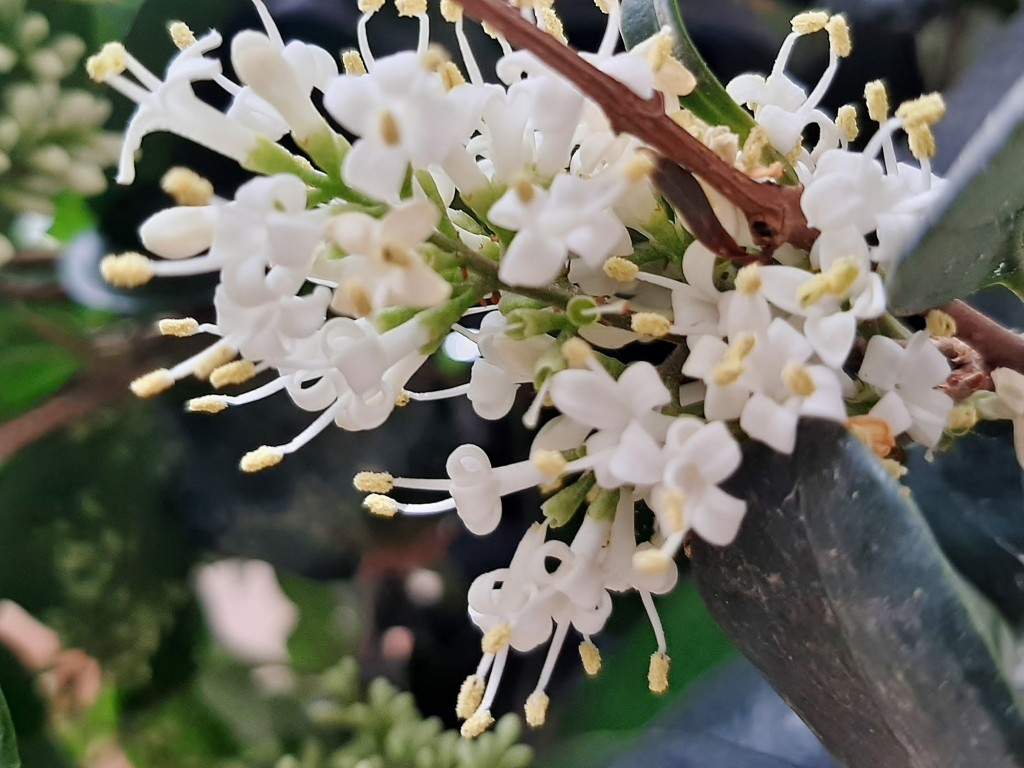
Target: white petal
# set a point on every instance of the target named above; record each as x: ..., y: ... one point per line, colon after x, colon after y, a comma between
x: 773, y: 424
x: 831, y: 336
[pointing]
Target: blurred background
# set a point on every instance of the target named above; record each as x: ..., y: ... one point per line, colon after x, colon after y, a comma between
x: 159, y: 608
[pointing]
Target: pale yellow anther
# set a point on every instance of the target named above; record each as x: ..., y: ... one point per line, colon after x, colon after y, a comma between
x: 639, y: 167
x: 552, y: 24
x: 753, y: 150
x: 152, y: 383
x: 214, y: 358
x: 657, y: 672
x: 496, y: 639
x: 451, y: 11
x: 358, y: 295
x: 842, y: 276
x: 591, y: 658
x: 896, y: 470
x: 551, y: 464
x: 651, y: 561
x: 477, y: 724
x: 390, y: 133
x: 874, y: 432
x: 673, y: 507
x: 725, y: 143
x: 232, y: 374
x: 924, y: 110
x: 940, y: 323
x: 111, y: 60
x: 262, y: 458
x: 812, y: 290
x: 451, y: 75
x: 839, y: 36
x: 846, y: 122
x: 650, y: 324
x: 411, y: 7
x: 186, y: 187
x: 373, y: 482
x: 178, y: 326
x: 620, y: 269
x: 536, y: 709
x: 206, y: 404
x: 659, y: 49
x: 490, y: 31
x: 748, y: 280
x: 181, y: 35
x: 524, y: 190
x: 921, y: 141
x: 877, y: 99
x: 727, y: 372
x: 370, y: 6
x: 603, y: 6
x: 127, y: 270
x: 353, y: 63
x: 402, y: 399
x: 742, y: 346
x: 962, y: 418
x: 797, y: 378
x: 809, y: 22
x: 577, y: 352
x: 470, y: 695
x: 380, y: 505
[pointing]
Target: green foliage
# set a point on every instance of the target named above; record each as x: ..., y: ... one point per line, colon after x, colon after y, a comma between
x: 8, y: 744
x: 836, y: 589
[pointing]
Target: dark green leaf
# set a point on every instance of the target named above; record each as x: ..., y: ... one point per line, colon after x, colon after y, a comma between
x: 318, y: 641
x: 8, y: 745
x: 974, y: 235
x: 836, y: 590
x: 30, y: 372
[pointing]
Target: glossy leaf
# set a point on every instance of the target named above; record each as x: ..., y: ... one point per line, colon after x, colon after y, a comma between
x: 837, y: 591
x: 8, y: 744
x: 973, y: 236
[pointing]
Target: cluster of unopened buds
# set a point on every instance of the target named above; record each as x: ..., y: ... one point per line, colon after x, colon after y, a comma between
x: 510, y: 213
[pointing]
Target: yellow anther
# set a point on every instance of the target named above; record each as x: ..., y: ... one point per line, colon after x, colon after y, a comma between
x: 451, y: 11
x: 434, y: 57
x: 127, y: 270
x: 186, y: 187
x: 451, y: 75
x: 673, y: 507
x: 577, y: 352
x: 370, y: 6
x: 921, y: 141
x: 152, y: 383
x: 940, y: 323
x: 206, y: 404
x: 380, y: 505
x: 651, y: 561
x: 551, y: 24
x: 111, y: 60
x: 536, y: 709
x: 727, y: 372
x: 178, y: 326
x: 753, y: 150
x: 877, y: 98
x: 924, y: 110
x: 962, y: 418
x: 896, y: 470
x: 477, y: 724
x: 496, y: 638
x: 402, y: 399
x: 390, y: 133
x: 874, y: 432
x: 723, y: 142
x: 797, y: 378
x: 551, y: 464
x: 812, y: 290
x: 470, y: 695
x: 839, y: 36
x: 524, y: 190
x: 181, y: 35
x: 490, y: 31
x: 659, y: 49
x: 213, y: 359
x: 411, y: 7
x: 846, y: 121
x: 353, y: 63
x: 657, y: 673
x: 262, y: 458
x: 650, y: 324
x: 809, y: 22
x: 373, y: 482
x: 748, y: 281
x: 231, y: 374
x: 358, y: 295
x: 603, y: 6
x: 591, y: 658
x: 742, y: 346
x: 639, y: 167
x: 842, y: 276
x: 620, y: 269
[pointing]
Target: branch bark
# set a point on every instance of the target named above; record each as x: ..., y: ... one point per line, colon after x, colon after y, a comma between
x: 998, y: 346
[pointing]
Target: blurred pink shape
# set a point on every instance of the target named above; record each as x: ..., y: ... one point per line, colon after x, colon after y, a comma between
x: 33, y: 643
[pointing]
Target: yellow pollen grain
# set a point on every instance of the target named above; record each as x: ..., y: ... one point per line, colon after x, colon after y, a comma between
x: 940, y: 323
x: 620, y: 269
x: 812, y: 290
x: 434, y: 57
x: 921, y: 141
x: 370, y: 6
x: 962, y: 418
x: 451, y: 75
x: 839, y: 36
x: 657, y: 672
x: 477, y: 724
x: 470, y: 695
x: 550, y: 463
x: 402, y: 399
x: 178, y: 326
x: 924, y: 110
x: 111, y: 60
x: 524, y: 190
x: 842, y: 276
x: 651, y: 561
x: 181, y: 35
x: 876, y: 96
x: 186, y: 187
x: 874, y: 432
x: 727, y: 372
x: 214, y: 358
x: 536, y: 709
x: 411, y: 7
x: 206, y: 404
x: 650, y: 324
x: 896, y: 470
x: 353, y: 63
x: 451, y: 11
x: 373, y: 482
x: 490, y: 31
x: 390, y: 133
x: 809, y: 22
x: 846, y: 122
x: 127, y: 270
x: 591, y: 658
x: 797, y: 378
x: 748, y: 281
x: 262, y: 458
x: 496, y: 638
x: 577, y: 352
x: 380, y: 505
x: 152, y: 383
x: 231, y: 374
x: 552, y: 24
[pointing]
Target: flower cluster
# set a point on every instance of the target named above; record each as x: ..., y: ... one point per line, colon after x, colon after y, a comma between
x: 342, y: 269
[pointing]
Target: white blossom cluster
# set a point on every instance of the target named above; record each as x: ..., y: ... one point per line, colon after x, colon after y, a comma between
x: 343, y: 269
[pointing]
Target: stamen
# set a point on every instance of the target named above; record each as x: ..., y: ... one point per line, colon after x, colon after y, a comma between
x: 206, y: 362
x: 748, y: 281
x: 639, y: 167
x: 262, y: 458
x: 470, y: 695
x: 382, y: 506
x: 842, y: 276
x: 477, y: 724
x: 877, y: 98
x: 812, y: 290
x: 921, y: 141
x: 127, y: 270
x: 657, y: 672
x: 206, y: 404
x: 798, y: 380
x: 111, y: 60
x: 353, y: 63
x: 524, y: 190
x: 552, y: 24
x: 552, y: 464
x: 496, y: 639
x: 234, y: 373
x: 846, y: 121
x: 182, y: 36
x: 536, y: 709
x: 373, y: 482
x: 186, y: 187
x: 152, y: 383
x: 940, y: 323
x: 451, y: 11
x: 181, y: 327
x: 652, y: 561
x: 650, y: 324
x: 839, y: 36
x: 962, y: 418
x: 809, y: 22
x: 390, y: 133
x: 620, y: 269
x: 577, y: 352
x: 873, y: 432
x: 673, y: 502
x: 925, y: 110
x: 591, y: 658
x: 411, y: 7
x: 451, y: 75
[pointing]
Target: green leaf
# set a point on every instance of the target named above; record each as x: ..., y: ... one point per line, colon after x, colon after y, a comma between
x: 318, y: 641
x: 709, y: 101
x: 8, y: 744
x: 31, y: 372
x: 837, y: 591
x: 973, y: 236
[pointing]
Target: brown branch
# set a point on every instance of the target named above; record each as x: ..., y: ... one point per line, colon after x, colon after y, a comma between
x: 773, y: 212
x: 998, y: 346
